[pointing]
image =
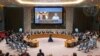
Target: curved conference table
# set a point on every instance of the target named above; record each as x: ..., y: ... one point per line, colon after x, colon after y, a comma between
x: 35, y: 43
x: 34, y: 36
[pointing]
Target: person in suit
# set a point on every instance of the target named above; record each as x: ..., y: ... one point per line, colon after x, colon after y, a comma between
x: 7, y: 54
x: 40, y: 53
x: 25, y: 54
x: 50, y: 39
x: 74, y: 54
x: 1, y: 54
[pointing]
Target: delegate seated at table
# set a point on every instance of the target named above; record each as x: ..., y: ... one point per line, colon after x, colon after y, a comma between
x: 50, y: 39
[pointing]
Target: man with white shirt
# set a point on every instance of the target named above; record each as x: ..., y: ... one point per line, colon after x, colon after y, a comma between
x: 55, y: 17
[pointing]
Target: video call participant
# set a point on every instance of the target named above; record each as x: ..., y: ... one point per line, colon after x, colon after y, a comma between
x: 42, y: 15
x: 55, y: 17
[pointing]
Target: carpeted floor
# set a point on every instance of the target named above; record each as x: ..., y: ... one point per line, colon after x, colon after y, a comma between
x: 55, y: 48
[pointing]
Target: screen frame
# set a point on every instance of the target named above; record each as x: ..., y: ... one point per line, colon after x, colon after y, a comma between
x: 33, y: 18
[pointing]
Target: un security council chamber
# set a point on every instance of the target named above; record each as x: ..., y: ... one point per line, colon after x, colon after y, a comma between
x: 49, y: 27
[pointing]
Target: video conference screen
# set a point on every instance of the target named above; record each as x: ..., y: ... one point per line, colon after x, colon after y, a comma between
x: 48, y: 15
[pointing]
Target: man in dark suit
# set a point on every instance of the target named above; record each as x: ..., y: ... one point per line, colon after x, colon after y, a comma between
x: 40, y: 53
x: 50, y: 39
x: 25, y: 54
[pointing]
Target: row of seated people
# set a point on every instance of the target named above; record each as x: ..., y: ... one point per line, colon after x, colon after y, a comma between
x: 2, y: 35
x: 79, y: 38
x: 15, y: 41
x: 40, y: 53
x: 9, y: 54
x: 49, y: 32
x: 87, y: 41
x: 5, y: 54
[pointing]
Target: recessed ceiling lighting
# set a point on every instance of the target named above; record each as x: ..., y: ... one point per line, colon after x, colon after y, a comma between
x: 49, y: 3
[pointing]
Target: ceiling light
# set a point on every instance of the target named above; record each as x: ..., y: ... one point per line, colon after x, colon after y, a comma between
x: 1, y: 5
x: 49, y: 3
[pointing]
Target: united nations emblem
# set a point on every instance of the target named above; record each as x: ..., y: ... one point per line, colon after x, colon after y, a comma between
x: 91, y: 11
